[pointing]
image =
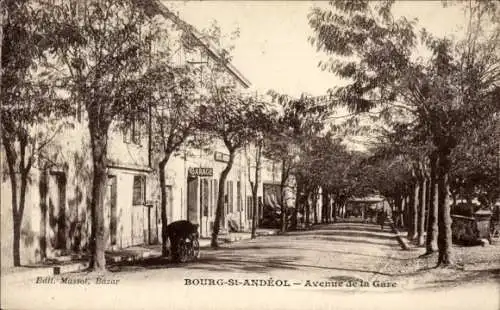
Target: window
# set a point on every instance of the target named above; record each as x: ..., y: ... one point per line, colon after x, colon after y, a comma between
x: 139, y: 190
x: 79, y: 111
x: 249, y: 207
x: 210, y: 197
x: 238, y: 196
x: 204, y: 196
x: 136, y: 133
x: 126, y: 135
x: 230, y: 197
x: 216, y: 196
x: 132, y: 132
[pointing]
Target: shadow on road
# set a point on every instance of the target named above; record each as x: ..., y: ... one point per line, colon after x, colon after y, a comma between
x: 358, y: 234
x: 297, y: 252
x: 459, y: 278
x: 344, y: 239
x: 231, y: 263
x: 316, y: 249
x: 277, y: 253
x: 338, y: 228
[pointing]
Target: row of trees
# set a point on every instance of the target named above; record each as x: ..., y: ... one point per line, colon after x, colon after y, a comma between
x: 439, y: 112
x: 115, y: 60
x: 436, y: 118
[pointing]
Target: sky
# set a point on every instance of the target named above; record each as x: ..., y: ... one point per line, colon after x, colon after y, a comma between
x: 273, y: 51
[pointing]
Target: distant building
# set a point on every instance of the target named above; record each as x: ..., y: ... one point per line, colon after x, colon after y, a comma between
x: 365, y: 207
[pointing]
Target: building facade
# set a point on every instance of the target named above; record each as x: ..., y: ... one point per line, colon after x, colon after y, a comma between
x: 57, y: 220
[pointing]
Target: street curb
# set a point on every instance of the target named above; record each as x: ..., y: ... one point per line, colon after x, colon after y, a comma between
x: 401, y: 240
x: 130, y: 258
x: 45, y: 271
x: 70, y: 268
x: 81, y: 266
x: 247, y: 236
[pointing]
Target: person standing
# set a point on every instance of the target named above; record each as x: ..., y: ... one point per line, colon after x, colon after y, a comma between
x: 381, y: 219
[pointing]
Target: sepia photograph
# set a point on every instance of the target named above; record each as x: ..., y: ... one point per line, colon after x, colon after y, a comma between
x: 252, y: 154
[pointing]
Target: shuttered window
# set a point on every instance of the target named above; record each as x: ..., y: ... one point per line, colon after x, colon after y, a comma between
x: 238, y: 196
x: 215, y: 188
x: 230, y: 197
x: 139, y: 190
x: 249, y: 207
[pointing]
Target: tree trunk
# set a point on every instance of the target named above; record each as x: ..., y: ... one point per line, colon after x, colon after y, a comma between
x: 98, y: 138
x: 421, y: 221
x: 163, y: 190
x: 399, y: 209
x: 297, y: 203
x: 409, y: 199
x: 11, y: 160
x: 342, y: 206
x: 315, y: 205
x: 24, y: 169
x: 325, y: 210
x: 254, y: 188
x: 432, y: 225
x: 334, y: 210
x: 254, y: 213
x: 411, y: 214
x: 43, y: 189
x: 444, y: 217
x: 306, y: 210
x: 329, y: 217
x: 19, y: 218
x: 220, y: 200
x: 282, y: 190
x: 414, y: 211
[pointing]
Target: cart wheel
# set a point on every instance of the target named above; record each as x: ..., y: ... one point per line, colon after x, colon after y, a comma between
x: 196, y: 249
x: 182, y: 251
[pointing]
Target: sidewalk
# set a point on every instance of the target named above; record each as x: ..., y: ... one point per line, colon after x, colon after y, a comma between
x: 400, y: 236
x: 237, y: 236
x: 478, y: 258
x: 54, y: 267
x: 67, y: 264
x: 136, y: 253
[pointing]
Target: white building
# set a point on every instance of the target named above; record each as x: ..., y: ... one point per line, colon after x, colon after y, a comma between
x: 57, y: 214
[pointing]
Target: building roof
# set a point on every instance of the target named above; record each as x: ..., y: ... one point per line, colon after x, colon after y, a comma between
x: 157, y: 7
x: 368, y: 199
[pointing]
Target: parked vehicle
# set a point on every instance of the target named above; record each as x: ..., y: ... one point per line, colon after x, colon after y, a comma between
x: 184, y: 244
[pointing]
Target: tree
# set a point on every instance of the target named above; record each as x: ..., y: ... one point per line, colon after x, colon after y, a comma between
x: 103, y: 47
x: 30, y: 104
x: 254, y: 183
x: 283, y: 149
x: 432, y: 224
x: 231, y: 117
x: 173, y: 104
x: 450, y: 91
x: 299, y: 119
x: 324, y: 163
x: 474, y: 171
x: 254, y: 153
x: 174, y: 118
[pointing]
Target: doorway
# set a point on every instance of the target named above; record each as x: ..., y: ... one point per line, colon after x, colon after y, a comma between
x: 111, y: 210
x: 139, y: 212
x: 57, y: 211
x: 192, y: 200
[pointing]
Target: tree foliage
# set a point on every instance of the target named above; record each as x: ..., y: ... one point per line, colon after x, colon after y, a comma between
x: 446, y: 95
x: 31, y: 101
x: 102, y: 49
